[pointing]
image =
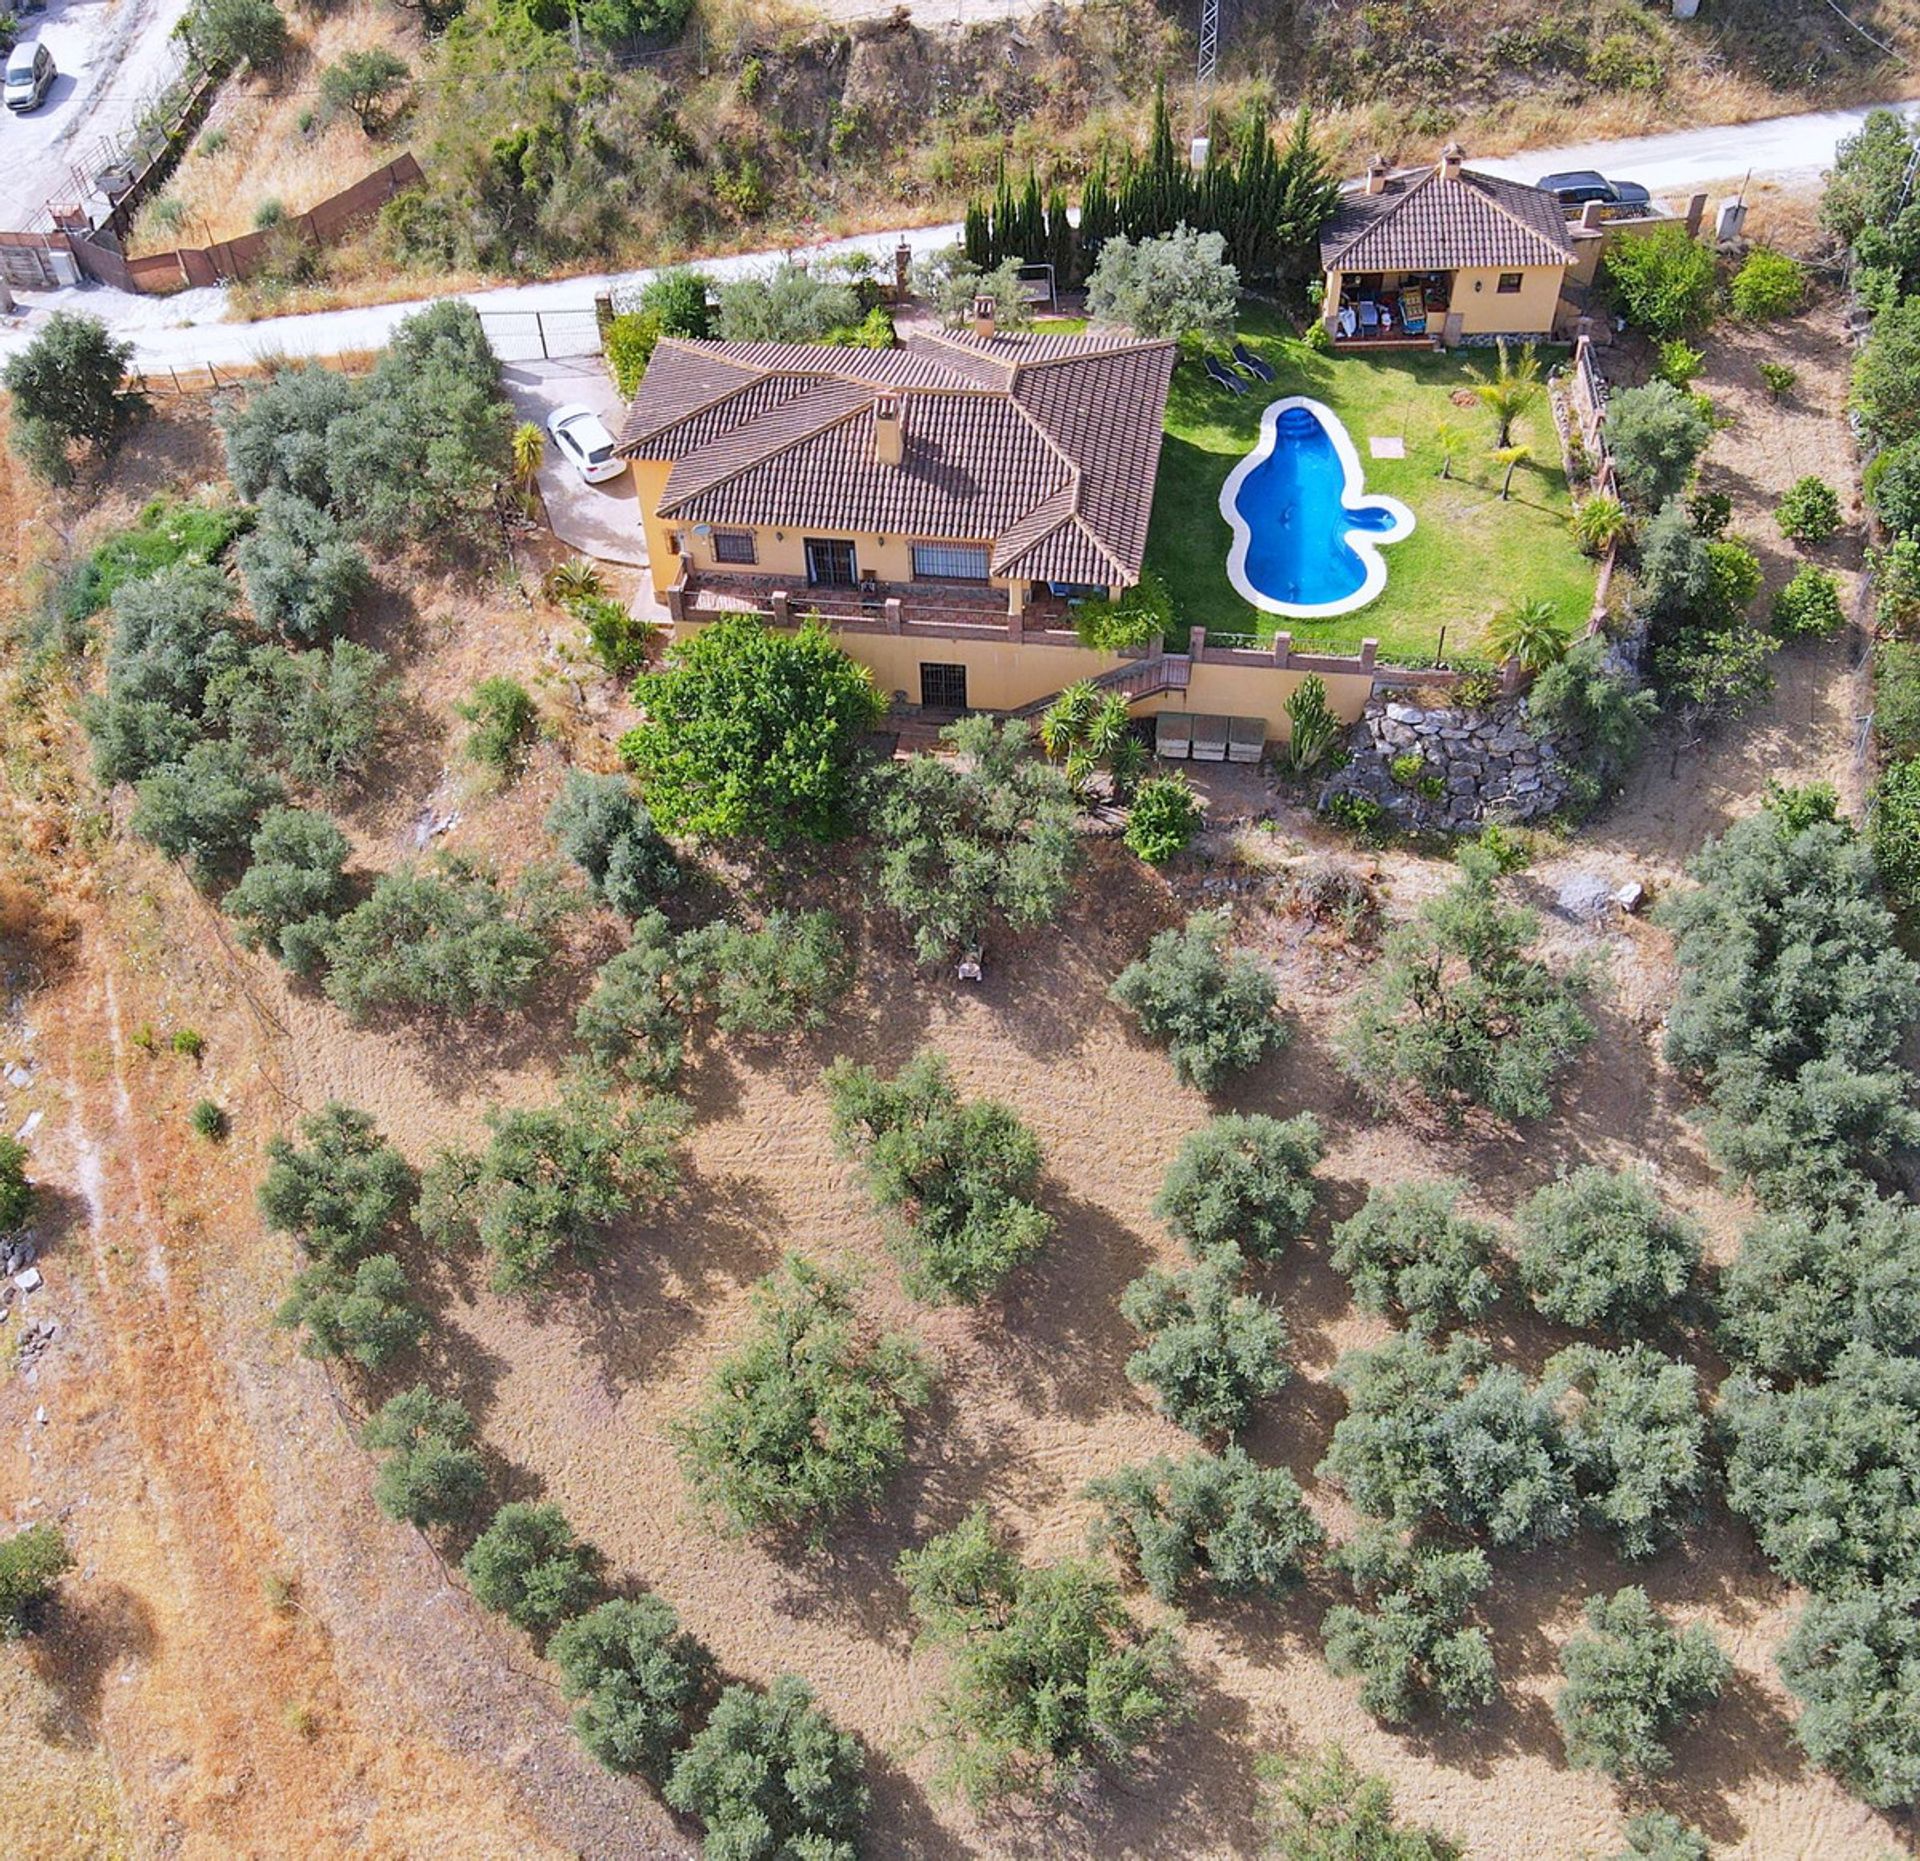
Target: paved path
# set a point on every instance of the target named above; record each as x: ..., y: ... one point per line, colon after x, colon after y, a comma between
x: 601, y: 521
x: 186, y: 330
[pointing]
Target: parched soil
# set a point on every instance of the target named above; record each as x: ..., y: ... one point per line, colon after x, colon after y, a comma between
x: 362, y: 1703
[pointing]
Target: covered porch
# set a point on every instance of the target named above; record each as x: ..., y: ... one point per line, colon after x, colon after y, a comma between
x: 1398, y: 307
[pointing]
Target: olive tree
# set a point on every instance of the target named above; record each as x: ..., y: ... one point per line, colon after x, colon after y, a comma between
x: 1212, y: 1010
x: 1209, y: 1350
x: 302, y: 572
x: 1851, y: 1662
x: 1598, y: 1248
x: 639, y: 1679
x: 1632, y: 1681
x: 1323, y: 1808
x: 1408, y: 1251
x: 1245, y: 1181
x: 432, y: 1474
x: 529, y: 1567
x: 32, y: 1562
x: 362, y: 1312
x: 604, y: 828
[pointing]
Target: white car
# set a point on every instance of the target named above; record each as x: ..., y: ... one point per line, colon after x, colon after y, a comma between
x: 582, y: 436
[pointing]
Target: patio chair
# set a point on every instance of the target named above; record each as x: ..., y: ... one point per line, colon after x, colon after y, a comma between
x: 1369, y: 317
x: 1260, y: 370
x: 1413, y: 313
x: 1347, y: 318
x: 1222, y: 376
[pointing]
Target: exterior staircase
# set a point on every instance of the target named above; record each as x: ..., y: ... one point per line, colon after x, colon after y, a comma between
x: 1134, y: 678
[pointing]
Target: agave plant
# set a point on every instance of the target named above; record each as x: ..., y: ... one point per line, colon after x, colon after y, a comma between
x: 569, y: 582
x: 1600, y: 521
x: 1532, y: 632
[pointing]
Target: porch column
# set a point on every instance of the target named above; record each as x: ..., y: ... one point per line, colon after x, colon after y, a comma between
x: 1016, y: 599
x: 1330, y: 304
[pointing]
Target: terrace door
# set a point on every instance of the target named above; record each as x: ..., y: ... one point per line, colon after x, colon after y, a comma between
x: 830, y: 563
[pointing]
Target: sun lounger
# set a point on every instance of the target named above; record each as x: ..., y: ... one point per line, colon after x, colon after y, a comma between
x: 1173, y: 735
x: 1258, y: 369
x: 1413, y: 313
x: 1223, y: 376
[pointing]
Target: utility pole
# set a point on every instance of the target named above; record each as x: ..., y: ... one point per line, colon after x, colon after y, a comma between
x: 1207, y: 63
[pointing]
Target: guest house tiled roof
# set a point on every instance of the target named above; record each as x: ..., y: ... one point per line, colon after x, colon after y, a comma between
x: 1426, y: 220
x: 1043, y: 448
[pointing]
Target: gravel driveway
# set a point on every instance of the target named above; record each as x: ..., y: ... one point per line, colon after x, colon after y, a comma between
x: 601, y: 521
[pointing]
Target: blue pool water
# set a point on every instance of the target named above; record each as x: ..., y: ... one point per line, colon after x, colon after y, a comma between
x: 1306, y: 534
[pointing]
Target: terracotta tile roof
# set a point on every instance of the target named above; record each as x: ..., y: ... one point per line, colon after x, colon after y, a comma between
x: 1423, y: 222
x: 1044, y: 448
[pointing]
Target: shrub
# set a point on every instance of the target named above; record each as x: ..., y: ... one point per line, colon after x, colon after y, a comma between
x: 604, y: 828
x: 16, y: 1192
x: 204, y: 808
x: 754, y: 733
x: 1632, y: 1421
x: 1162, y: 819
x: 1653, y: 1835
x: 529, y: 1567
x: 1599, y: 522
x: 1768, y: 284
x: 1810, y: 511
x: 1793, y: 1001
x: 1407, y: 1643
x: 1896, y: 710
x: 1598, y: 1248
x: 1209, y: 1350
x: 232, y: 32
x: 632, y: 1020
x: 1663, y: 281
x: 32, y: 1562
x: 1321, y: 1808
x: 432, y: 1475
x: 553, y: 1180
x: 294, y: 886
x: 618, y: 638
x: 1808, y: 607
x: 981, y: 839
x: 66, y: 389
x: 1221, y: 1522
x: 1895, y: 834
x: 1808, y: 1283
x: 639, y: 1679
x: 782, y: 976
x: 441, y: 937
x: 808, y: 1419
x: 1778, y: 379
x: 302, y: 572
x: 785, y: 304
x: 1680, y: 363
x: 208, y: 1120
x: 1444, y: 1432
x: 1459, y: 1010
x: 1245, y: 1182
x: 1213, y: 1012
x: 771, y: 1778
x: 360, y: 1312
x: 1049, y: 1674
x: 1656, y: 435
x: 957, y: 1178
x: 1886, y: 375
x: 502, y: 715
x: 1850, y: 1661
x: 365, y: 84
x: 315, y: 716
x: 1597, y: 714
x: 166, y: 532
x: 1631, y: 1682
x: 1827, y: 1473
x: 1141, y: 615
x: 1891, y: 484
x: 276, y: 436
x: 341, y: 1193
x: 679, y: 297
x: 1410, y: 1252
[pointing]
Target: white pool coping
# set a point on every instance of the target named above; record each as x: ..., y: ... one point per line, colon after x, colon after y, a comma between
x: 1354, y: 495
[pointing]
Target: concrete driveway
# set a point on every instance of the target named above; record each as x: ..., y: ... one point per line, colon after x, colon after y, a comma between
x: 601, y: 521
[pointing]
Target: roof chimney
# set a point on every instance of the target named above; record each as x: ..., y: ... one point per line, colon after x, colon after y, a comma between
x: 1452, y: 159
x: 1377, y: 172
x: 889, y: 438
x: 983, y: 308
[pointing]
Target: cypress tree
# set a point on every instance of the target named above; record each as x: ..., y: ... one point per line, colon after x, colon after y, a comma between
x: 1098, y: 218
x: 1004, y: 230
x: 1305, y: 193
x: 978, y: 236
x: 1059, y: 239
x: 1033, y: 222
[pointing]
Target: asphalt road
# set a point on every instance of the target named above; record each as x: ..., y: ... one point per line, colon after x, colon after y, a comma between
x: 188, y: 331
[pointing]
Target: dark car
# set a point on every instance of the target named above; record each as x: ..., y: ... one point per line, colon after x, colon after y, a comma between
x: 1578, y: 186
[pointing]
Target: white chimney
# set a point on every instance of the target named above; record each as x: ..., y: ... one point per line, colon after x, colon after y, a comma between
x: 1377, y: 172
x: 889, y: 436
x: 983, y: 308
x: 1452, y: 159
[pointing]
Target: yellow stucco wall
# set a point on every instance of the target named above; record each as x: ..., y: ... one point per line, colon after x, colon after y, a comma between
x: 650, y: 486
x: 1259, y: 691
x: 1485, y: 312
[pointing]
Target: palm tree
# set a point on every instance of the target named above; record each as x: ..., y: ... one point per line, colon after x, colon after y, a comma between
x: 1531, y: 632
x: 1512, y: 457
x: 1509, y: 392
x: 529, y: 453
x: 1451, y: 440
x: 1107, y: 728
x: 1067, y: 719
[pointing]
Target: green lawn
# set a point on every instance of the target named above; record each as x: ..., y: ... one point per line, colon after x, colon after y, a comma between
x: 1470, y: 554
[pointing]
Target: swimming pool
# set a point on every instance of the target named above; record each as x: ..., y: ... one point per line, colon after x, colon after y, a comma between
x: 1306, y: 536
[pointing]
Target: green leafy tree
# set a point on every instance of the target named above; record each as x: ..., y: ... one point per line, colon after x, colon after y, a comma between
x: 1655, y: 435
x: 967, y: 843
x: 1663, y: 281
x: 362, y: 1312
x: 1807, y: 1283
x: 340, y: 1193
x: 957, y: 1178
x: 32, y: 1562
x: 808, y: 1419
x: 1850, y: 1661
x: 232, y: 32
x: 1810, y: 511
x: 604, y: 828
x: 367, y: 85
x: 1209, y: 1351
x: 1892, y: 486
x: 772, y: 1780
x: 431, y: 1474
x: 639, y: 1679
x: 752, y: 733
x: 1827, y: 1473
x: 1048, y: 1675
x: 204, y: 808
x: 1445, y: 1432
x: 1808, y: 607
x: 1633, y: 1423
x: 301, y: 570
x: 553, y: 1181
x: 951, y: 284
x: 1598, y: 1248
x: 1460, y: 1010
x: 66, y: 389
x: 1323, y: 1808
x: 529, y: 1567
x: 1243, y: 1181
x: 1179, y: 284
x: 631, y: 340
x: 1212, y: 1011
x: 293, y: 888
x: 1632, y: 1681
x: 1410, y: 1252
x: 1214, y: 1522
x: 1405, y: 1636
x: 1162, y: 818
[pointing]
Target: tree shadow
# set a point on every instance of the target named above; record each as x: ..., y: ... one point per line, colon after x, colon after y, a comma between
x: 82, y: 1640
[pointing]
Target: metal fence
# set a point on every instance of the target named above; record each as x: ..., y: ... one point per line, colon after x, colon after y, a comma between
x: 542, y: 335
